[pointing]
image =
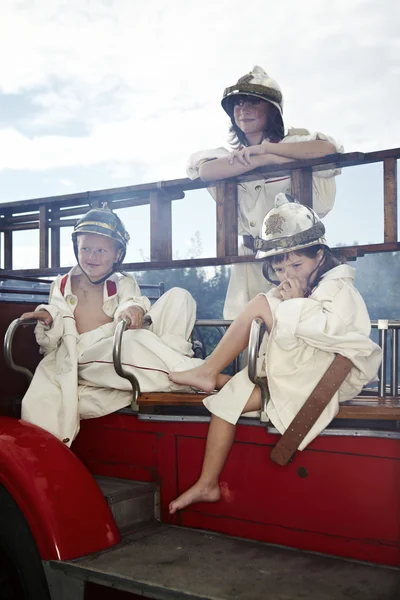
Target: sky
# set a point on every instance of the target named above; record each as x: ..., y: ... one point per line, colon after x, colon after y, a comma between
x: 105, y: 93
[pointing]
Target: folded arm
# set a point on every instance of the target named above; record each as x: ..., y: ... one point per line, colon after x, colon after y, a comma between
x: 223, y: 168
x: 242, y: 161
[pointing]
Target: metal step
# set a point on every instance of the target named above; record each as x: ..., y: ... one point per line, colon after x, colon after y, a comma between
x: 174, y: 563
x: 132, y: 503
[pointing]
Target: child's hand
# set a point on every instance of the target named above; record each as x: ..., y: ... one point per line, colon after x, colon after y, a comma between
x: 41, y: 315
x: 134, y: 315
x: 290, y: 288
x: 243, y: 156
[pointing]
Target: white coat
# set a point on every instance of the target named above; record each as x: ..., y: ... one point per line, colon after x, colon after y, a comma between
x: 306, y: 335
x: 76, y: 378
x: 255, y: 199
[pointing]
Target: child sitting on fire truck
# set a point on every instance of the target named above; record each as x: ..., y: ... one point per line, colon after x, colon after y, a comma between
x: 314, y: 313
x: 76, y: 378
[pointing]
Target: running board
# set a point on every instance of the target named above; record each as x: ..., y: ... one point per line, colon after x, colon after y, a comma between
x: 168, y: 562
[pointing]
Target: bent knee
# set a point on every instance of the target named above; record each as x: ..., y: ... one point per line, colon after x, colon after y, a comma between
x: 260, y: 308
x: 180, y: 295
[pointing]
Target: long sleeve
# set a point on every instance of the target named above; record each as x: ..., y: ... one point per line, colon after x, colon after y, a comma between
x: 199, y: 158
x: 334, y: 320
x: 48, y: 337
x: 323, y: 183
x: 129, y: 295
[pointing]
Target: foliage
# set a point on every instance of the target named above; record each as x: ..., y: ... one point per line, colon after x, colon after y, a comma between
x: 207, y: 286
x: 378, y: 280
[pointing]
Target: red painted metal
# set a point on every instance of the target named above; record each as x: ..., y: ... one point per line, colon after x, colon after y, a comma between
x: 64, y: 507
x: 347, y: 505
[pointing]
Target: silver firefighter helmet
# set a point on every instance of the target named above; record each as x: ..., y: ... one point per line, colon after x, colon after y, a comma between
x: 289, y: 227
x: 256, y: 83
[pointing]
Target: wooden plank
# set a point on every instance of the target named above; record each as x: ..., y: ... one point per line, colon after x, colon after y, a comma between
x: 55, y: 247
x: 206, y: 262
x: 8, y: 242
x: 366, y: 409
x: 160, y: 227
x: 8, y: 250
x: 171, y: 399
x: 373, y: 408
x: 390, y: 199
x: 176, y: 187
x: 24, y: 218
x: 301, y: 185
x: 227, y: 218
x: 57, y: 213
x: 331, y: 161
x: 43, y: 237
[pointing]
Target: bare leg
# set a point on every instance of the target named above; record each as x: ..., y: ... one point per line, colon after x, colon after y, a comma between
x: 219, y: 442
x: 232, y: 344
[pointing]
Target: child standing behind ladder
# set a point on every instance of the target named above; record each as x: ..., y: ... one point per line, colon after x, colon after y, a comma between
x: 258, y: 139
x: 314, y: 313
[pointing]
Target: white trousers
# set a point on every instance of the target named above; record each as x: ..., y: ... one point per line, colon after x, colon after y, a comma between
x: 78, y: 379
x: 150, y: 354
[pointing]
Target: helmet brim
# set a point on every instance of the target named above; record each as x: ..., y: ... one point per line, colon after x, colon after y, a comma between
x: 287, y: 249
x: 100, y: 229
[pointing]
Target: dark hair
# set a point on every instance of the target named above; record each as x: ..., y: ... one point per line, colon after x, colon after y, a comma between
x: 327, y: 263
x: 274, y: 131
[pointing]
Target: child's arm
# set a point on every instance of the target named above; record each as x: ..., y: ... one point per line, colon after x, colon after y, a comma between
x: 131, y: 303
x: 50, y: 327
x: 297, y: 145
x: 42, y: 315
x: 333, y: 313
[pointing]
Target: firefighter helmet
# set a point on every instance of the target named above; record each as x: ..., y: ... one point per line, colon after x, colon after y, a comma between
x: 102, y: 221
x: 256, y: 83
x: 289, y: 227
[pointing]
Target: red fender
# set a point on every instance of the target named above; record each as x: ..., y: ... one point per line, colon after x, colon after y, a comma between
x: 65, y: 509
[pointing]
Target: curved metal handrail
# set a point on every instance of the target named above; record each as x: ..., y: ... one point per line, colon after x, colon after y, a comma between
x: 8, y: 340
x: 254, y: 343
x: 117, y: 351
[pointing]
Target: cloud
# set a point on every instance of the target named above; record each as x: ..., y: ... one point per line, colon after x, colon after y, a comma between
x: 137, y: 85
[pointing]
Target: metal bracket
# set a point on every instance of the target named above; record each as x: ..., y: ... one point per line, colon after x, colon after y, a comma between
x: 8, y: 341
x: 254, y: 344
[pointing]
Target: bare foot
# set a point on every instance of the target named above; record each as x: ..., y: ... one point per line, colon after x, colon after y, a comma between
x: 200, y: 378
x: 197, y: 493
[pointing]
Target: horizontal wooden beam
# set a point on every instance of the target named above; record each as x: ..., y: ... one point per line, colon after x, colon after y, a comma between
x: 360, y: 408
x: 348, y: 251
x: 176, y: 186
x: 171, y: 399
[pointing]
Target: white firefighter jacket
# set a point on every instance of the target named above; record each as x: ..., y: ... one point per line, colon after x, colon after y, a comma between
x: 76, y: 378
x: 306, y: 335
x: 255, y: 199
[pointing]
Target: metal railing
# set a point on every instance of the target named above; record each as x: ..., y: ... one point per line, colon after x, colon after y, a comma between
x: 388, y: 339
x: 385, y: 328
x: 385, y: 388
